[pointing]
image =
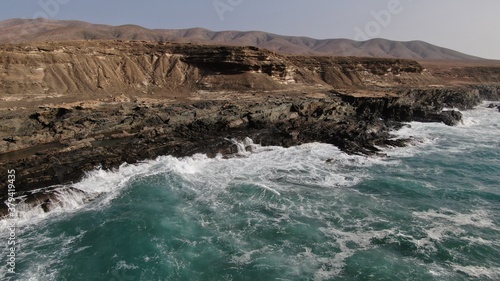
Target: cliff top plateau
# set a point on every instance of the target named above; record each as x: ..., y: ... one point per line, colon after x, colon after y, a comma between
x: 34, y: 74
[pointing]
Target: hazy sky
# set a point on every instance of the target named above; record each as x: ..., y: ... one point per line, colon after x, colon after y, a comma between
x: 469, y: 26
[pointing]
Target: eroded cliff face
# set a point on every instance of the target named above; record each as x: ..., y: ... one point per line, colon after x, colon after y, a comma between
x: 70, y: 107
x: 72, y: 70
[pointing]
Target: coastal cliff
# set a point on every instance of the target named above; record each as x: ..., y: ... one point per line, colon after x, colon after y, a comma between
x: 70, y: 107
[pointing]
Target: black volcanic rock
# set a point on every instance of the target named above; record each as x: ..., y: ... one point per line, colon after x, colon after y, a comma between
x: 451, y: 117
x: 448, y: 117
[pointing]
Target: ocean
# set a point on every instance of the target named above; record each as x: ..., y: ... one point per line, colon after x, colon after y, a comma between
x: 428, y: 211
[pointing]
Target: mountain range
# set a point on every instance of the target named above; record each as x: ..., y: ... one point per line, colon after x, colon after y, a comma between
x: 41, y: 30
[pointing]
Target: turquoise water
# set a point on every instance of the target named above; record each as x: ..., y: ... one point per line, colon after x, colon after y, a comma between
x: 430, y: 211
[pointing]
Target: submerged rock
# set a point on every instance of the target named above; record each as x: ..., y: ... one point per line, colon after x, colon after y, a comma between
x: 448, y: 117
x: 451, y: 117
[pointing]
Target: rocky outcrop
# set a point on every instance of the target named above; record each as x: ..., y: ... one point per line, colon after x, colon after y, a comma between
x: 74, y: 106
x: 72, y: 71
x: 60, y: 143
x: 488, y: 92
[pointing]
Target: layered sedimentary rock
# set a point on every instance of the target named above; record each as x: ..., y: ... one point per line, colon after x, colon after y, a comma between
x: 70, y: 107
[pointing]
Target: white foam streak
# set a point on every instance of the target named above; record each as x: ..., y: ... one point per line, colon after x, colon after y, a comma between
x: 477, y: 218
x: 246, y: 257
x: 245, y: 147
x: 478, y: 271
x: 442, y: 224
x: 269, y: 189
x: 349, y: 242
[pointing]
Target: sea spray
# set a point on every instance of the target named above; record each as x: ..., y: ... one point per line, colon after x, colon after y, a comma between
x: 427, y: 212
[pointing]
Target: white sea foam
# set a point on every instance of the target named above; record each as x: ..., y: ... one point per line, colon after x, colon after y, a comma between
x: 349, y: 242
x: 479, y: 272
x: 476, y: 218
x: 66, y: 199
x: 246, y: 257
x: 442, y: 224
x: 480, y: 127
x: 279, y: 181
x: 264, y: 162
x: 303, y: 165
x: 43, y: 268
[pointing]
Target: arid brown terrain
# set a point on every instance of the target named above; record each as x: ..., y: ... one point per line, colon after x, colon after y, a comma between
x: 41, y: 30
x: 69, y: 107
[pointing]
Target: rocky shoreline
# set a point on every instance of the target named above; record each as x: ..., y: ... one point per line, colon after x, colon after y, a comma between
x: 229, y: 93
